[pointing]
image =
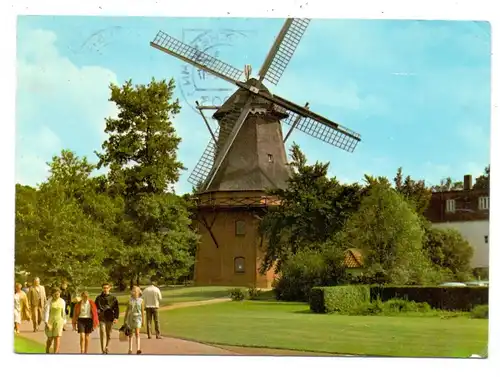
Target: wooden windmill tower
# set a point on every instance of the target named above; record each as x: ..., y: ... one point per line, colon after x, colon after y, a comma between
x: 246, y: 156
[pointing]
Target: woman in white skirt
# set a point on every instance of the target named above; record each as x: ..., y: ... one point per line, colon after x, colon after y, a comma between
x: 134, y: 317
x: 21, y: 307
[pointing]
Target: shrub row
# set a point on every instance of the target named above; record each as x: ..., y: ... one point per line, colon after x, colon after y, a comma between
x: 349, y: 298
x: 444, y: 298
x: 391, y: 307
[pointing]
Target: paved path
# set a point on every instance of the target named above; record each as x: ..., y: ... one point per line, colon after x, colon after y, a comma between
x: 70, y: 343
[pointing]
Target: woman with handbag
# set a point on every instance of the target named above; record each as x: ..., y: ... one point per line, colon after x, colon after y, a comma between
x: 85, y: 320
x: 134, y: 317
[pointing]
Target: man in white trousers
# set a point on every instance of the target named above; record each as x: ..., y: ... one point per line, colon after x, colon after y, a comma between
x: 152, y: 297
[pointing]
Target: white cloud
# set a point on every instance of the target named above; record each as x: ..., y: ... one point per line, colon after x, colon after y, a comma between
x: 55, y: 98
x: 32, y: 157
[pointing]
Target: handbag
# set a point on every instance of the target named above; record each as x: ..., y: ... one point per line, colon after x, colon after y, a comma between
x: 124, y: 333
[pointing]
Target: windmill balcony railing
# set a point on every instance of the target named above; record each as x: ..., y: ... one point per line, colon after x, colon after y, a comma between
x: 232, y: 202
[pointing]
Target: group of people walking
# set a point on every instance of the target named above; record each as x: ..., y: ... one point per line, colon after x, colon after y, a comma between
x: 31, y: 303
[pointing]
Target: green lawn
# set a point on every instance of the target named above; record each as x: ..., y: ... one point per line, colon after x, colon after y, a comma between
x: 23, y: 345
x: 292, y: 326
x: 172, y: 295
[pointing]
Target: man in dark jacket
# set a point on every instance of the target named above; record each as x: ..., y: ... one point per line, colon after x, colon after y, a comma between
x: 108, y: 312
x: 66, y: 296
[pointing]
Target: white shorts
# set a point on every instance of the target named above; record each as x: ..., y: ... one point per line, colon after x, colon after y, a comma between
x: 17, y: 316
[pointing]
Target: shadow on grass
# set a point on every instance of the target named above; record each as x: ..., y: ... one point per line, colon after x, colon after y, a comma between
x: 308, y: 311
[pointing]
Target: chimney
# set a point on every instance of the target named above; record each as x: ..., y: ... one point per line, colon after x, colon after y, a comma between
x: 467, y: 182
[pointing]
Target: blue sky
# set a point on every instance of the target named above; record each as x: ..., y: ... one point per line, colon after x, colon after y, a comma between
x: 418, y: 92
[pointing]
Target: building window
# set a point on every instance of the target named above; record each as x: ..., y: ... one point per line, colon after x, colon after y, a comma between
x: 239, y: 265
x: 484, y: 203
x: 450, y: 205
x: 270, y: 158
x: 240, y: 228
x: 485, y: 239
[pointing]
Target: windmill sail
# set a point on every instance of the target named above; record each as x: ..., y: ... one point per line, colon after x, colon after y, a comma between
x: 283, y: 49
x: 346, y: 140
x: 191, y: 55
x: 206, y: 162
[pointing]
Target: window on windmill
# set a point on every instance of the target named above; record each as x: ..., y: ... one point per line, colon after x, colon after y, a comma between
x: 484, y: 203
x: 485, y: 239
x: 270, y: 158
x: 450, y: 205
x: 239, y: 264
x: 240, y: 228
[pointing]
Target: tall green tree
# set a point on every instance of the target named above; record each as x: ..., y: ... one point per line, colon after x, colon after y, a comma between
x: 141, y: 149
x: 415, y: 192
x: 141, y: 153
x: 313, y: 208
x: 389, y: 232
x: 449, y: 250
x: 55, y: 238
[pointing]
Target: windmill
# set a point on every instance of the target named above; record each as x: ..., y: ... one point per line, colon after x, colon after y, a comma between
x: 246, y: 154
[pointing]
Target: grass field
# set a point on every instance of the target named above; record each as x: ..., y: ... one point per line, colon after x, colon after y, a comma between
x: 292, y: 326
x: 172, y: 295
x: 23, y: 345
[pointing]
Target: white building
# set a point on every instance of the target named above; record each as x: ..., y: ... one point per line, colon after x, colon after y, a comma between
x: 467, y: 211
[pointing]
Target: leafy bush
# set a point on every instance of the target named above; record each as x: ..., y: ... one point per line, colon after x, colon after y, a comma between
x: 342, y: 299
x: 445, y: 298
x: 311, y: 267
x: 405, y: 306
x: 253, y: 293
x: 299, y: 274
x: 479, y: 311
x: 237, y: 294
x: 449, y: 250
x: 391, y: 307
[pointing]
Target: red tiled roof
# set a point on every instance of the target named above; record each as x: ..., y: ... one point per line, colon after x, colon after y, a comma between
x: 353, y: 258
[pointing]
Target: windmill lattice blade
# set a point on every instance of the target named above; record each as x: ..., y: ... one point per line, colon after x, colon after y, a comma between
x: 204, y: 166
x: 171, y: 45
x: 346, y: 140
x: 286, y: 49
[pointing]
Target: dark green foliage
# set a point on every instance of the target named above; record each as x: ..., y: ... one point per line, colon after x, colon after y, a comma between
x: 403, y: 306
x: 141, y: 149
x: 479, y: 311
x: 124, y: 225
x: 237, y: 294
x: 483, y: 181
x: 391, y: 308
x: 55, y: 237
x: 141, y: 153
x: 309, y: 268
x: 389, y: 232
x: 415, y: 192
x: 313, y: 209
x: 445, y: 298
x: 253, y: 293
x: 342, y: 299
x: 449, y: 250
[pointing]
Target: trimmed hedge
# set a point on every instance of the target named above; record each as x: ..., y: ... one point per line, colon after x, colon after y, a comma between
x: 346, y: 298
x: 341, y: 299
x: 444, y: 298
